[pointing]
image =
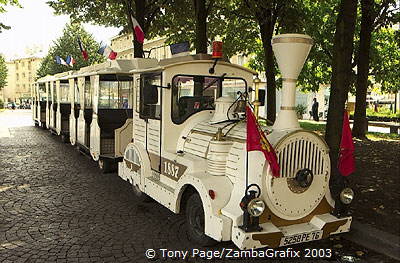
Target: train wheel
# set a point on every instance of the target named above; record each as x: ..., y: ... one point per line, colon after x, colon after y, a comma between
x: 195, y: 221
x: 142, y: 197
x: 64, y: 138
x: 104, y: 166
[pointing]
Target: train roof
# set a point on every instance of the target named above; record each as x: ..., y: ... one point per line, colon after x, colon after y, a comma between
x: 198, y: 58
x: 119, y: 66
x: 45, y: 79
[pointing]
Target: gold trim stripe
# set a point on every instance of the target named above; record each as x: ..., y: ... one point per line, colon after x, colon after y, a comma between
x: 289, y: 80
x: 292, y: 40
x: 287, y: 108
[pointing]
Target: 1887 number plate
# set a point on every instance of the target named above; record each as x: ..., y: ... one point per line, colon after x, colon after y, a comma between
x: 300, y: 238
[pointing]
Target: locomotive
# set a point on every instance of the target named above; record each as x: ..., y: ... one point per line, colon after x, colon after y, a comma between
x: 188, y: 153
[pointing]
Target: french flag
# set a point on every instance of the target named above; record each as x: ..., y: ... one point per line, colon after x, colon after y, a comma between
x: 61, y: 61
x: 70, y: 61
x: 83, y: 51
x: 138, y: 30
x: 107, y: 52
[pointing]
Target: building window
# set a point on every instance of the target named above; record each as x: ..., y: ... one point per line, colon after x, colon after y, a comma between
x: 17, y: 76
x: 23, y: 75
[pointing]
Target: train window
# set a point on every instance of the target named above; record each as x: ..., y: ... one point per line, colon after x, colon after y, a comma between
x: 42, y: 92
x: 191, y: 94
x: 77, y: 98
x: 87, y: 93
x: 150, y: 97
x: 64, y: 89
x: 115, y: 92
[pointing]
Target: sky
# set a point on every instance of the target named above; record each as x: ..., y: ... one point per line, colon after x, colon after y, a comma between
x: 35, y: 26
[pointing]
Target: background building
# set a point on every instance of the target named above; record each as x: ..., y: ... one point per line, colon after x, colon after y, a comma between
x: 20, y: 79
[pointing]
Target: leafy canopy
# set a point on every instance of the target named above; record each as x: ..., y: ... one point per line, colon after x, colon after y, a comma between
x: 67, y: 45
x: 3, y: 72
x: 3, y: 10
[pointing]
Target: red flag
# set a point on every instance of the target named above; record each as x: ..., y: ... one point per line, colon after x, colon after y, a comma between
x: 138, y: 30
x: 346, y: 163
x: 83, y: 51
x: 257, y: 141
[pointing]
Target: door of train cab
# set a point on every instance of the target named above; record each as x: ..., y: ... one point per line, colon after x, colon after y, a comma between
x: 150, y: 111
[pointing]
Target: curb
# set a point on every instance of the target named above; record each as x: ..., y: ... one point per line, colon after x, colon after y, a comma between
x: 374, y: 239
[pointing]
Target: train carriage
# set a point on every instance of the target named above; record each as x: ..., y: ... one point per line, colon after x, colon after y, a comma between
x: 43, y: 101
x: 74, y: 98
x: 189, y: 153
x: 110, y: 127
x: 85, y: 110
x: 63, y: 106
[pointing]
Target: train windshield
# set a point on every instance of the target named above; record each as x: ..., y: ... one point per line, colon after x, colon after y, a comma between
x: 191, y: 94
x: 115, y: 92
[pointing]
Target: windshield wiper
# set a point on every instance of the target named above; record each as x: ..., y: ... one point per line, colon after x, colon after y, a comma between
x: 215, y: 80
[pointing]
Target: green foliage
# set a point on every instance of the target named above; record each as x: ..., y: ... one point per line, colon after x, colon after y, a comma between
x: 1, y: 104
x: 385, y: 59
x: 382, y: 112
x: 3, y: 72
x: 66, y: 45
x: 2, y: 10
x: 301, y: 109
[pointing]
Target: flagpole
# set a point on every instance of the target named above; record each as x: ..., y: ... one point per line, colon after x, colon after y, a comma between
x: 247, y: 152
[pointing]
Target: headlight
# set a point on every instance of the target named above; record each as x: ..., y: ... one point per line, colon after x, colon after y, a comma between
x: 256, y: 207
x: 346, y: 196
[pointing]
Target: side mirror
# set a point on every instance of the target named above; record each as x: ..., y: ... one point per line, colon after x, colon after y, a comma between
x: 150, y: 94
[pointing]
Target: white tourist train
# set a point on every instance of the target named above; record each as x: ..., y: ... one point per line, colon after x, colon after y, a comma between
x: 182, y: 141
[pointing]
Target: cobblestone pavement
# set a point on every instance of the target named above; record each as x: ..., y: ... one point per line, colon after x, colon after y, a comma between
x: 56, y: 206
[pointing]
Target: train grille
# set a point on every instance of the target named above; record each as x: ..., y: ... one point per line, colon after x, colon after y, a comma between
x: 300, y: 152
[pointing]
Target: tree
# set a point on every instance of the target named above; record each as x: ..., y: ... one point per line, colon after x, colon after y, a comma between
x: 374, y: 15
x: 2, y: 10
x: 3, y: 72
x: 340, y: 83
x: 67, y: 45
x: 115, y: 13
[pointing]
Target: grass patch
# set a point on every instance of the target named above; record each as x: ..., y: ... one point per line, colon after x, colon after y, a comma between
x: 375, y: 136
x: 320, y: 128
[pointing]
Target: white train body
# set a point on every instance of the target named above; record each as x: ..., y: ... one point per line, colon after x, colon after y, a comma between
x: 172, y: 157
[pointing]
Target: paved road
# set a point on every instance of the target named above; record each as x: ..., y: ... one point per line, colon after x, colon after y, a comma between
x: 56, y: 206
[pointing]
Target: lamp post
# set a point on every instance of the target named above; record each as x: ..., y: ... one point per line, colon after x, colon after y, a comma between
x: 256, y: 102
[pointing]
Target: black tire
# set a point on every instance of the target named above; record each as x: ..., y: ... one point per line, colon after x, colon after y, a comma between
x: 105, y: 166
x: 64, y: 138
x: 142, y: 197
x: 195, y: 222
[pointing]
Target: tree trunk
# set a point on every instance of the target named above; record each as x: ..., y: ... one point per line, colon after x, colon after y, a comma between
x: 360, y: 118
x: 139, y: 12
x: 340, y: 85
x: 266, y: 30
x: 201, y: 26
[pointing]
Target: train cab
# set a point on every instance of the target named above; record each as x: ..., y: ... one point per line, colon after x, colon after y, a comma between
x: 190, y: 153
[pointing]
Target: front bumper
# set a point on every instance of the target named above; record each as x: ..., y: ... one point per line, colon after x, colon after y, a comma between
x: 320, y: 227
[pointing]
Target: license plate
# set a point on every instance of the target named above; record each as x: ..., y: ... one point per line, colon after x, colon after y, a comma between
x: 300, y: 238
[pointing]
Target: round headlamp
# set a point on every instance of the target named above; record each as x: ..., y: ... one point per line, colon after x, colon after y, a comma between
x: 346, y: 196
x: 256, y: 207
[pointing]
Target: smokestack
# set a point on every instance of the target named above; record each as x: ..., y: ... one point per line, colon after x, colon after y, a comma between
x: 291, y: 51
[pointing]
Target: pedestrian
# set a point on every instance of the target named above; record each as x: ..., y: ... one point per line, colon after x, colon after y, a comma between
x: 13, y: 106
x: 314, y: 110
